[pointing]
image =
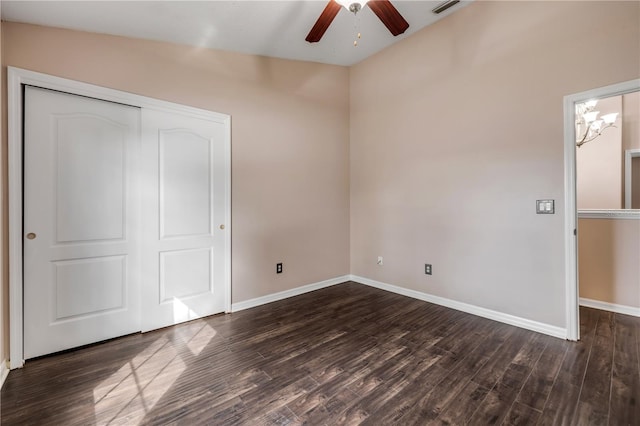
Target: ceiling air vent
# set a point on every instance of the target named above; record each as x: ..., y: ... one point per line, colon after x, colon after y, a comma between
x: 444, y: 6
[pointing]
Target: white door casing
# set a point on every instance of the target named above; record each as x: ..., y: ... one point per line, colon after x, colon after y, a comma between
x: 81, y: 263
x: 183, y: 210
x: 571, y: 232
x: 18, y: 79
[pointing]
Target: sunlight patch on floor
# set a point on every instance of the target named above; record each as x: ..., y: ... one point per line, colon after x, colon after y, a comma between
x: 131, y: 392
x: 201, y: 339
x: 197, y: 335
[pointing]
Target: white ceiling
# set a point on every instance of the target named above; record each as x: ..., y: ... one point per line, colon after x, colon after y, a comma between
x: 269, y: 28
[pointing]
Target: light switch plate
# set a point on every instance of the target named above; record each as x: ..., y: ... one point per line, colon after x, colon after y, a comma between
x: 545, y: 207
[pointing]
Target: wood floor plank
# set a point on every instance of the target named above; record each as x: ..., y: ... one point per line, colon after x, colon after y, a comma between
x: 464, y: 404
x: 576, y: 358
x: 352, y: 362
x: 330, y: 410
x: 274, y: 396
x: 391, y: 368
x: 281, y: 417
x: 561, y: 405
x: 492, y: 410
x: 374, y: 398
x: 625, y: 378
x: 493, y: 370
x: 420, y: 404
x: 538, y: 386
x: 349, y: 374
x: 606, y: 325
x: 521, y: 415
x: 346, y: 354
x: 501, y: 398
x: 418, y: 388
x: 590, y: 414
x: 625, y: 399
x: 596, y: 388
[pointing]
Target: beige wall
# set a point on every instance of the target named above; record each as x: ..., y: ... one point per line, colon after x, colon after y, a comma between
x: 609, y: 265
x: 458, y: 129
x: 599, y: 171
x: 290, y: 130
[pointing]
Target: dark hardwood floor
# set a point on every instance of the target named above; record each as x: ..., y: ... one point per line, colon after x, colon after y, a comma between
x: 348, y: 354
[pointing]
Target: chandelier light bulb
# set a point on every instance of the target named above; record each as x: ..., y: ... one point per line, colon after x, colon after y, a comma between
x: 596, y: 125
x: 591, y: 103
x: 590, y: 117
x: 610, y: 118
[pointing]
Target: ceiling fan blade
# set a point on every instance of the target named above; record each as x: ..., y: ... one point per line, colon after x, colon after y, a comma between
x: 323, y: 22
x: 389, y: 16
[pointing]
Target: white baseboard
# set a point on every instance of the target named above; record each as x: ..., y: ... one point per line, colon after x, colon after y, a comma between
x: 4, y: 372
x: 539, y: 327
x: 460, y: 306
x: 251, y: 303
x: 612, y: 307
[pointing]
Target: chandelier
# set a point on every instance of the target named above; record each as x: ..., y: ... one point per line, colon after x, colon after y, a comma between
x: 588, y: 125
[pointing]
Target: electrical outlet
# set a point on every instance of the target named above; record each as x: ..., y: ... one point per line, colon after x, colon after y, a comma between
x: 380, y: 263
x: 278, y: 268
x: 427, y: 268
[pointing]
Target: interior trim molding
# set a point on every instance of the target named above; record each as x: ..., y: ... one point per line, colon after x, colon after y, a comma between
x: 459, y: 306
x: 629, y: 155
x: 572, y: 310
x: 611, y: 307
x: 4, y: 372
x: 609, y: 214
x: 274, y: 297
x: 528, y: 324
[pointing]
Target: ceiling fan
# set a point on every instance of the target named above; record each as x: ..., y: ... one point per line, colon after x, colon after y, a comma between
x: 383, y: 9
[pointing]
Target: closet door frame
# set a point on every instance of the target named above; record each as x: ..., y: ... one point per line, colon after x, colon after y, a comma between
x: 16, y: 80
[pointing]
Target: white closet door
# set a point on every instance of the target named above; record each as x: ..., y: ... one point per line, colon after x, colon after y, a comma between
x: 81, y: 264
x: 183, y: 211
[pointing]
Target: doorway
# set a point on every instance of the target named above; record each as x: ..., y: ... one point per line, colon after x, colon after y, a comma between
x: 571, y: 210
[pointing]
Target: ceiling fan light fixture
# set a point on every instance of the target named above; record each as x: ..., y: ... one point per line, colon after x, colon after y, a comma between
x: 383, y: 9
x: 444, y: 6
x: 352, y: 6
